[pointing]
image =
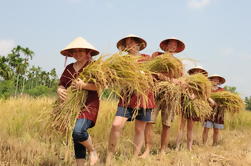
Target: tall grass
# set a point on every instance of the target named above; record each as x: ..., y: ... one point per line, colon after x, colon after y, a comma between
x: 25, y: 139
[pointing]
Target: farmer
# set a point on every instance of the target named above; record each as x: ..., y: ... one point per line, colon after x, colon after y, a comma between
x: 82, y: 52
x: 170, y: 46
x: 126, y: 109
x: 190, y: 120
x: 216, y: 121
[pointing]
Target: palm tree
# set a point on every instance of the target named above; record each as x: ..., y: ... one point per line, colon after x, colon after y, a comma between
x: 19, y: 62
x: 53, y: 77
x: 5, y: 71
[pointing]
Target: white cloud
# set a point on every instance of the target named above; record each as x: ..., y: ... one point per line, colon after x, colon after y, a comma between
x: 6, y: 46
x: 198, y: 3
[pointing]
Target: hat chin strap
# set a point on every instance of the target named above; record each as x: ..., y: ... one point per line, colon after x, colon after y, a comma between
x: 65, y: 61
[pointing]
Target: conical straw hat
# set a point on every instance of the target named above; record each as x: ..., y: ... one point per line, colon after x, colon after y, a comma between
x: 142, y: 42
x: 190, y: 71
x: 79, y: 43
x: 221, y: 79
x: 180, y: 47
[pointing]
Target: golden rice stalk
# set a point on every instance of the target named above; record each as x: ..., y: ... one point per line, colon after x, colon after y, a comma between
x: 128, y: 77
x: 168, y: 96
x: 64, y: 113
x: 97, y: 73
x: 228, y: 102
x: 199, y: 85
x: 196, y: 109
x: 166, y: 63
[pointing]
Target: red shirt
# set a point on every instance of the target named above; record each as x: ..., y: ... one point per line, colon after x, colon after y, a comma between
x: 92, y: 102
x: 134, y: 100
x: 219, y: 89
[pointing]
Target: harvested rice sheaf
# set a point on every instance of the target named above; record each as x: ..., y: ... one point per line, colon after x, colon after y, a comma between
x: 196, y: 109
x: 65, y: 112
x: 199, y: 85
x: 195, y: 96
x: 129, y: 77
x: 228, y: 102
x: 166, y: 63
x: 168, y: 96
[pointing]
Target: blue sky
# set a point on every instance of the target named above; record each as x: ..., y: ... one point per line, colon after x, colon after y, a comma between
x: 217, y: 33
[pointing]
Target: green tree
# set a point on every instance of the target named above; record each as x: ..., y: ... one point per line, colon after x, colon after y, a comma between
x: 5, y: 71
x: 18, y: 61
x: 230, y: 89
x: 6, y: 88
x: 15, y: 71
x: 248, y: 103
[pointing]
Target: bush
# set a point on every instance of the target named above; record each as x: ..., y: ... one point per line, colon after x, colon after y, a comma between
x: 41, y: 90
x: 7, y: 88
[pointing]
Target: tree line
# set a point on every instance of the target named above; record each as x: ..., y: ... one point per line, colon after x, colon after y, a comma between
x: 18, y: 77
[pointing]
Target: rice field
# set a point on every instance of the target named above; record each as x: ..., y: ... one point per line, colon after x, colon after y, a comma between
x: 25, y: 139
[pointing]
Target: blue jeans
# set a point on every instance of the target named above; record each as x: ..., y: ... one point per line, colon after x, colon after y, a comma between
x: 79, y: 135
x: 142, y: 114
x: 210, y: 124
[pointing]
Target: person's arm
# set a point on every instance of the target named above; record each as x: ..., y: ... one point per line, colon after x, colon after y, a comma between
x: 212, y: 103
x: 163, y: 76
x: 80, y: 85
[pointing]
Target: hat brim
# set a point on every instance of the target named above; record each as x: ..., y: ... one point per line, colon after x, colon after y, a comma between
x: 67, y: 52
x: 221, y: 79
x: 142, y: 43
x: 191, y: 71
x: 180, y: 47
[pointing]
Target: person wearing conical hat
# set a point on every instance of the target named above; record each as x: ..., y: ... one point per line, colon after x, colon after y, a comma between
x: 197, y: 69
x: 82, y: 51
x: 126, y: 109
x: 215, y: 121
x: 189, y: 120
x: 170, y: 47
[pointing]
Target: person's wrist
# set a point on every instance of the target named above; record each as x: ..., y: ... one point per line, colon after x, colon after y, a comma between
x: 83, y: 85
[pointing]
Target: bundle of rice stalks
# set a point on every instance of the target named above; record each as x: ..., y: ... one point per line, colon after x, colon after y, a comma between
x: 128, y: 77
x: 166, y: 63
x: 65, y: 112
x: 97, y: 73
x: 199, y: 85
x: 228, y: 102
x: 168, y: 96
x: 196, y: 109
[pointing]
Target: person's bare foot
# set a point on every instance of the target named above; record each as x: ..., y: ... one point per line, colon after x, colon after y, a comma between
x: 93, y: 157
x: 145, y: 154
x: 162, y: 152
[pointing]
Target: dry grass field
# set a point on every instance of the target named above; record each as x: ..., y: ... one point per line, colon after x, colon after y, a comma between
x: 26, y: 141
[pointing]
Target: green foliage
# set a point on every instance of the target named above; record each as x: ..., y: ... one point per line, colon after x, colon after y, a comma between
x: 6, y: 88
x: 40, y: 90
x: 248, y: 103
x: 230, y: 89
x: 18, y: 77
